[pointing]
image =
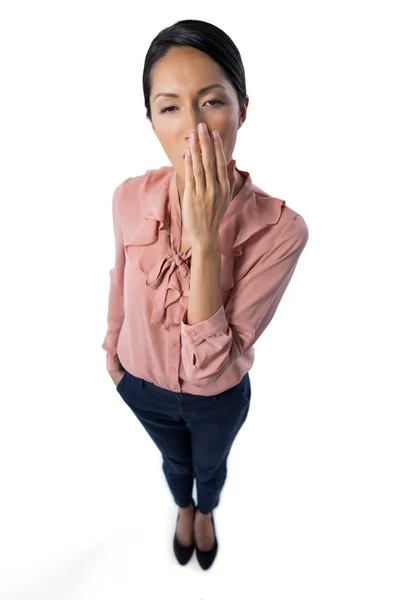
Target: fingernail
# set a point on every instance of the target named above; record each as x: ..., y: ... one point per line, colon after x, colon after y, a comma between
x: 192, y: 137
x: 202, y: 128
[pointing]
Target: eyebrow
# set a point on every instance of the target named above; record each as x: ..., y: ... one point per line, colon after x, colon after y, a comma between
x: 199, y: 93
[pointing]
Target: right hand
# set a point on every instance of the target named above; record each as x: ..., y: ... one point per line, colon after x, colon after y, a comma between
x: 117, y: 375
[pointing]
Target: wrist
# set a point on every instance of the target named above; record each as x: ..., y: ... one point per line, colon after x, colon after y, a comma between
x: 210, y: 244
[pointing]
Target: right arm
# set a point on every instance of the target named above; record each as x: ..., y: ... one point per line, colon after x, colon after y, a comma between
x: 115, y: 316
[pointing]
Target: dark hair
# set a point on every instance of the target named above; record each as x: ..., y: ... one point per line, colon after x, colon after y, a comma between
x: 205, y: 37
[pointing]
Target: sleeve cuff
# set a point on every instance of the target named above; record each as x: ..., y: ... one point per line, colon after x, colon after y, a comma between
x: 197, y: 332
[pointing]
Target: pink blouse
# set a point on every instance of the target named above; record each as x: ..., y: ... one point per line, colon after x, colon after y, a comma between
x: 261, y: 240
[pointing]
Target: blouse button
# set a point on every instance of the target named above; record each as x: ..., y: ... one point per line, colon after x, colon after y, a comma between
x: 194, y: 333
x: 173, y: 369
x: 173, y: 345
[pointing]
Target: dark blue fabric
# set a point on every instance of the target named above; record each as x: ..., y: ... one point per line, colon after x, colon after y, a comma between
x: 193, y: 433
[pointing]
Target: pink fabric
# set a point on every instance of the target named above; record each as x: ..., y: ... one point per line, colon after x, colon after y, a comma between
x: 261, y: 242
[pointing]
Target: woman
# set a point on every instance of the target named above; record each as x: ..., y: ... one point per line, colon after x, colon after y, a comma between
x: 203, y: 257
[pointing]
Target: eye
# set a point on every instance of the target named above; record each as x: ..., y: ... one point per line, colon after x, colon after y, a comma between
x: 165, y: 110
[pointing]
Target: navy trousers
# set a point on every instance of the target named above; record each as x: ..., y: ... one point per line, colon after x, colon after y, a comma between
x: 193, y: 433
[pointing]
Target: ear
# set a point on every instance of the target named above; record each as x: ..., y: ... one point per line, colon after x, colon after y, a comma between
x: 243, y: 112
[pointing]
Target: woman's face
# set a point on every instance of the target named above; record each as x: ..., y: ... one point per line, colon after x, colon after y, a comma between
x: 184, y: 71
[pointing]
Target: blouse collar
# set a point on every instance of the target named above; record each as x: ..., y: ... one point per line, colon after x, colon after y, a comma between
x: 256, y: 209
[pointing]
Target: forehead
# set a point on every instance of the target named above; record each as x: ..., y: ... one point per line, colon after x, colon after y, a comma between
x: 185, y: 69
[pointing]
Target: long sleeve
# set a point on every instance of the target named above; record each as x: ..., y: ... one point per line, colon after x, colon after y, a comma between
x: 115, y: 316
x: 210, y: 347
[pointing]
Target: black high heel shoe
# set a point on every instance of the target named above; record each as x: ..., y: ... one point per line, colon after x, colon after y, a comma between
x: 183, y: 553
x: 207, y: 557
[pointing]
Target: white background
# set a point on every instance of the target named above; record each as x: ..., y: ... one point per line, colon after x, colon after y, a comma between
x: 310, y: 508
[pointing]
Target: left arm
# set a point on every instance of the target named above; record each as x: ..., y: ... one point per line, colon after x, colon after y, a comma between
x: 213, y: 341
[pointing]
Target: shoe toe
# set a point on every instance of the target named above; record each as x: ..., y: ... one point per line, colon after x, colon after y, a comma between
x: 206, y: 557
x: 182, y: 553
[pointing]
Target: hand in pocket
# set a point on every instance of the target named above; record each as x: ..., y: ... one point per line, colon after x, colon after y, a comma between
x: 117, y: 375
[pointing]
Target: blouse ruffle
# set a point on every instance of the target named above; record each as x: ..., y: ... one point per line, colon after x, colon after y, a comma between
x: 148, y: 242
